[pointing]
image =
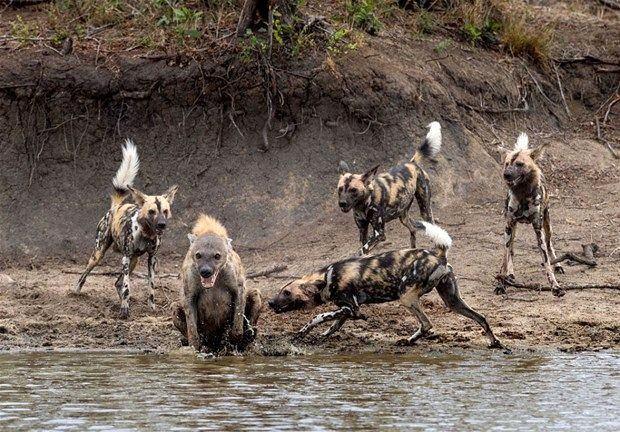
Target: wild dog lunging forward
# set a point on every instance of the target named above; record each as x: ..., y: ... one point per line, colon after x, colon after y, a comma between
x: 404, y: 275
x: 215, y: 307
x: 527, y: 202
x: 378, y: 199
x: 132, y: 229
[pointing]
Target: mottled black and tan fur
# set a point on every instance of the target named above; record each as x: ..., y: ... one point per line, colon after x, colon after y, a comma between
x: 131, y: 229
x: 403, y: 275
x: 527, y: 202
x: 377, y: 199
x: 215, y: 307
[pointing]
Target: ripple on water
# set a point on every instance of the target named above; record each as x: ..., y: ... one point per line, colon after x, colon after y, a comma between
x: 480, y: 391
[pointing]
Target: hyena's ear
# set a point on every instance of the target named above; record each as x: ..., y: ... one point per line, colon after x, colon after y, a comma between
x: 191, y: 237
x: 538, y: 151
x: 343, y: 167
x: 138, y: 197
x: 170, y: 193
x: 370, y: 174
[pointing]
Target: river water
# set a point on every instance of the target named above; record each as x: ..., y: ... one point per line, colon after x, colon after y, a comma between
x: 464, y: 391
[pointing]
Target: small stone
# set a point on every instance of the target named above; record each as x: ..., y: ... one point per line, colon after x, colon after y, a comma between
x: 6, y: 280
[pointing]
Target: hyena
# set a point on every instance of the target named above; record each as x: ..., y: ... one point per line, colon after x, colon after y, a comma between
x: 215, y: 307
x: 380, y: 198
x: 403, y: 275
x: 527, y: 202
x: 131, y: 229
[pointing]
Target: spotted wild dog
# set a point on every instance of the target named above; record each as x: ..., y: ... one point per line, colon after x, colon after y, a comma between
x: 404, y: 275
x: 380, y: 198
x: 132, y: 229
x: 215, y: 307
x: 527, y: 202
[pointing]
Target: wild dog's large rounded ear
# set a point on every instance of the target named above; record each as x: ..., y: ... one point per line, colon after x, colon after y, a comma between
x: 170, y: 193
x: 343, y: 167
x: 503, y: 151
x: 370, y: 174
x: 538, y: 151
x: 138, y: 197
x: 191, y: 237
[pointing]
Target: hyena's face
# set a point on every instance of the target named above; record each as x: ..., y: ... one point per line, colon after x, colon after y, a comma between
x: 519, y: 166
x: 299, y: 294
x: 209, y: 254
x: 155, y: 210
x: 353, y: 188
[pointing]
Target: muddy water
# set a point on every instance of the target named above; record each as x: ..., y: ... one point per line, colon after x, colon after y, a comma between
x: 467, y: 391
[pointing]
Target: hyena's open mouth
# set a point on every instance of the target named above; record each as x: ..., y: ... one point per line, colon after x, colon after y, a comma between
x: 208, y: 282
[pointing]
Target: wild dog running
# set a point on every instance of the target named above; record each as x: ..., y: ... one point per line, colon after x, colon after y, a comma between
x: 404, y: 275
x: 378, y: 199
x: 132, y: 229
x: 527, y: 201
x: 215, y: 307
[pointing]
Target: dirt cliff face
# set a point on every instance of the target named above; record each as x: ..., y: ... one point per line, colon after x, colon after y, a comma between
x: 63, y: 120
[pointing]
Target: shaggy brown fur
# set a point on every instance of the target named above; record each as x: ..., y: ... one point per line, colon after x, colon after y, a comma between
x: 215, y: 307
x: 527, y: 202
x: 132, y: 229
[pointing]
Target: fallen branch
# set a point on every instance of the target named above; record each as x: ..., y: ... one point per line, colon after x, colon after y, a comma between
x: 611, y: 4
x: 482, y: 109
x: 116, y: 274
x: 600, y: 138
x: 268, y: 271
x: 587, y: 59
x: 569, y: 256
x: 573, y: 287
x: 557, y: 75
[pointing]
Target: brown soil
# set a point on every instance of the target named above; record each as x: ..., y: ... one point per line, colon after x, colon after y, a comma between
x: 62, y: 119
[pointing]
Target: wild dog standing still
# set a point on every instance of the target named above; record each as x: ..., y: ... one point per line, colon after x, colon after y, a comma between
x: 132, y: 229
x: 215, y: 306
x: 404, y: 275
x: 527, y: 202
x: 378, y: 199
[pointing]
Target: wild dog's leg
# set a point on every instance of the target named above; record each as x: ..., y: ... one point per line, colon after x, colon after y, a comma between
x: 102, y: 243
x: 151, y: 263
x: 423, y: 197
x: 406, y: 220
x: 507, y: 269
x: 122, y: 283
x: 321, y: 318
x: 542, y: 245
x: 362, y: 226
x: 548, y: 233
x: 449, y: 292
x: 378, y: 234
x: 411, y: 300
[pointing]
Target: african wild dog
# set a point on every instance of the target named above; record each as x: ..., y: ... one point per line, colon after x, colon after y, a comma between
x: 132, y: 229
x: 378, y: 199
x: 527, y: 202
x: 215, y: 307
x: 404, y: 275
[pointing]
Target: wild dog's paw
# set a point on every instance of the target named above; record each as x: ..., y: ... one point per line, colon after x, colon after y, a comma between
x: 559, y: 269
x: 496, y: 345
x: 558, y: 292
x: 500, y: 289
x: 405, y: 342
x: 124, y: 314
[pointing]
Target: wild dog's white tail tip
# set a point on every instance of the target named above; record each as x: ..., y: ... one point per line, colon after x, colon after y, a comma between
x: 129, y: 167
x: 523, y: 142
x: 438, y: 235
x: 433, y: 137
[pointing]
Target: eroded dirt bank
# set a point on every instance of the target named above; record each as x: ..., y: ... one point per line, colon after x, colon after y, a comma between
x: 198, y: 123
